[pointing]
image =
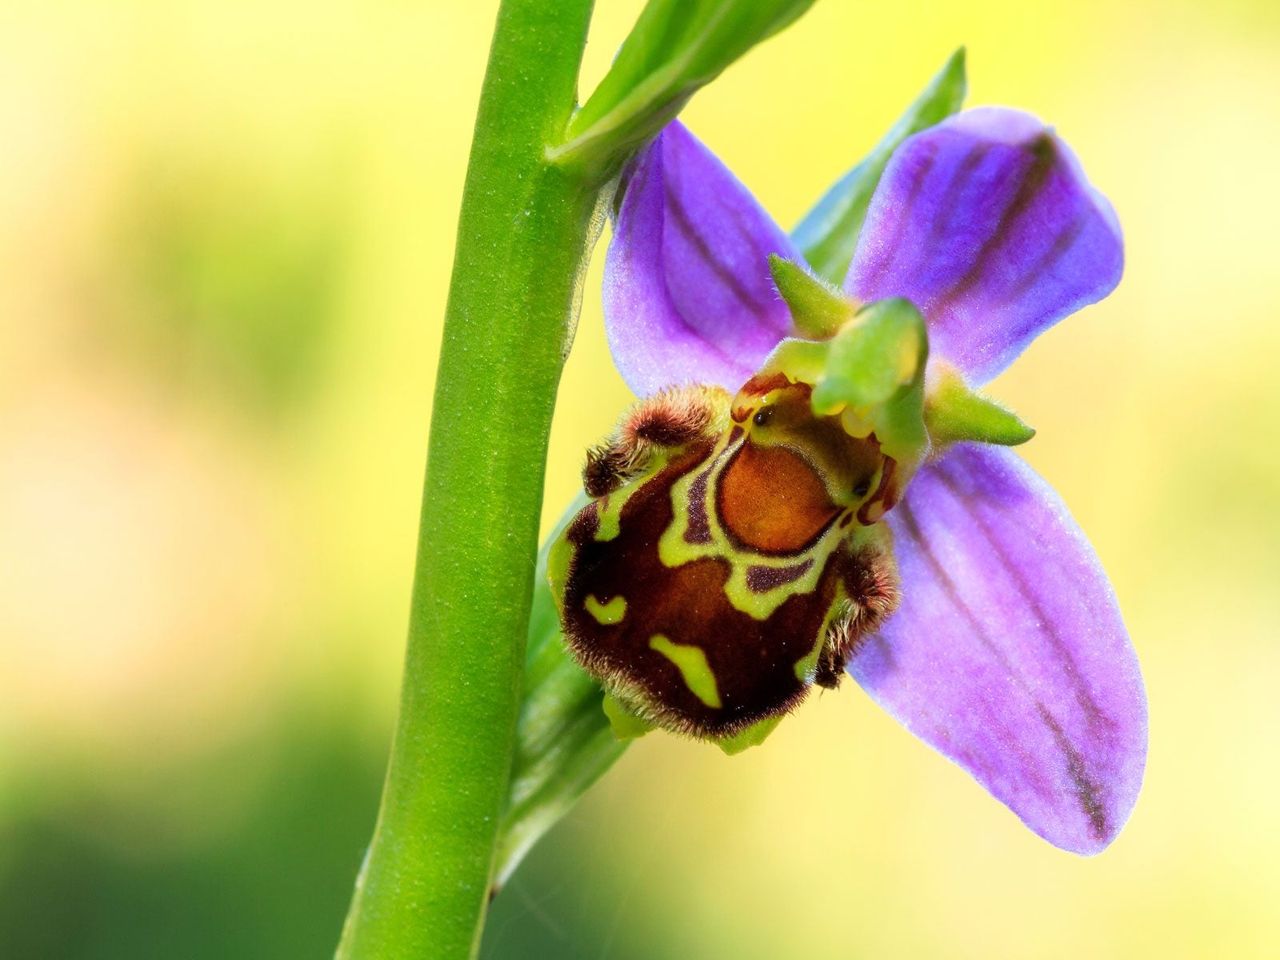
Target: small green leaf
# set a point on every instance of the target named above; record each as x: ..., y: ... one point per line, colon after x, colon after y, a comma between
x: 828, y: 234
x: 818, y: 309
x: 564, y: 742
x: 953, y: 412
x: 675, y: 47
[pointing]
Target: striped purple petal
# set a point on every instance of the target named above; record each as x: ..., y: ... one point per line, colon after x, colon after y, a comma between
x: 987, y: 223
x: 1008, y: 654
x: 687, y: 292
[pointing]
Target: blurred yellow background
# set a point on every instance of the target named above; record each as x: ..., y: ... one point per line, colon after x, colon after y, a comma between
x: 225, y: 236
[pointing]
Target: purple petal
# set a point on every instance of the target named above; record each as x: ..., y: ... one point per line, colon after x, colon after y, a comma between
x: 987, y: 223
x: 1008, y: 654
x: 688, y: 296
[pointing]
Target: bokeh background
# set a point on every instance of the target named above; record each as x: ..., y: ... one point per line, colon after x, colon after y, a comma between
x: 225, y: 235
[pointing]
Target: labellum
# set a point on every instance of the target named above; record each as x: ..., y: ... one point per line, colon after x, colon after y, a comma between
x: 727, y: 562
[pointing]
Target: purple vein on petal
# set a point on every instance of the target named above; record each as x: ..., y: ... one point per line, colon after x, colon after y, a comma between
x: 959, y: 180
x: 1008, y: 653
x: 1047, y: 624
x: 688, y: 292
x: 688, y: 295
x: 1032, y: 179
x: 987, y: 223
x: 1088, y: 792
x: 880, y: 254
x: 1063, y: 244
x: 677, y: 215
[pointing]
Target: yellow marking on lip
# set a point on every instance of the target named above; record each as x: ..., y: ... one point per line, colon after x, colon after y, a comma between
x: 559, y: 560
x: 609, y: 517
x: 609, y: 507
x: 607, y: 614
x: 806, y: 667
x: 693, y: 667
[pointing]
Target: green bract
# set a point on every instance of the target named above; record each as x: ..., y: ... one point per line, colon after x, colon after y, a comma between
x: 676, y: 47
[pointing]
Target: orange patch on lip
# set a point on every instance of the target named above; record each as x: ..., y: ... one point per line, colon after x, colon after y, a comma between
x: 770, y: 499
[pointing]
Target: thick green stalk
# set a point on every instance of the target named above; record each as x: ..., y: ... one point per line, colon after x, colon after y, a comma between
x: 524, y: 234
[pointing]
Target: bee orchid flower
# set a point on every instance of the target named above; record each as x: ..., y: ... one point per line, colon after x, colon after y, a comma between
x: 946, y: 577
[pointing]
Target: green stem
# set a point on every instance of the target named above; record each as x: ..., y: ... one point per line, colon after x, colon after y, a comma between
x: 524, y: 235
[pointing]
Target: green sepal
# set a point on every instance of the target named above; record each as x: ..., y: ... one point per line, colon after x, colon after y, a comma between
x: 818, y: 309
x: 870, y: 373
x: 564, y: 742
x: 828, y: 234
x: 753, y: 736
x: 675, y: 47
x: 953, y: 412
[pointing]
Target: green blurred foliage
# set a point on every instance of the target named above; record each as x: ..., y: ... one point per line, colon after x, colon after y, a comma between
x: 234, y: 284
x: 87, y: 882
